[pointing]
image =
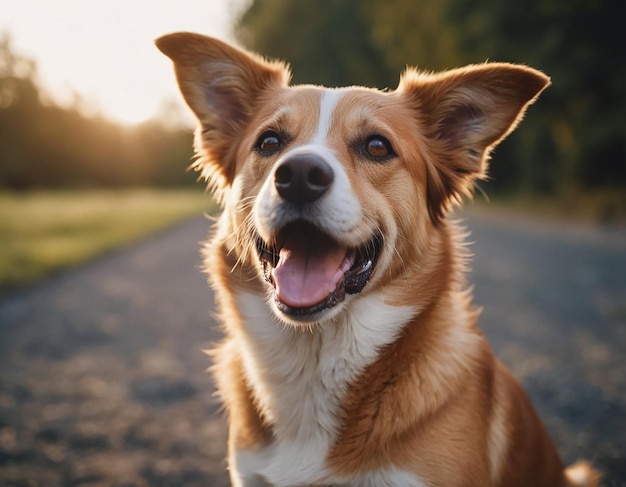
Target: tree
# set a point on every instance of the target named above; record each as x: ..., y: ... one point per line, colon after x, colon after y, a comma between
x: 326, y: 41
x: 16, y: 75
x: 18, y: 96
x: 412, y: 33
x: 577, y: 138
x: 47, y: 146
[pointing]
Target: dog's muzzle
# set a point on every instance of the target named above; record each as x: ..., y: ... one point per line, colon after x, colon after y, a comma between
x: 303, y: 178
x: 309, y: 266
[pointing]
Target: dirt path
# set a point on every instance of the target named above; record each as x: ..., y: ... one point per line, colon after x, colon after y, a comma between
x: 102, y: 376
x: 554, y: 298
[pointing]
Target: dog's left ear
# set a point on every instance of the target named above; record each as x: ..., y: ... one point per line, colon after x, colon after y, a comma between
x: 222, y: 85
x: 465, y: 113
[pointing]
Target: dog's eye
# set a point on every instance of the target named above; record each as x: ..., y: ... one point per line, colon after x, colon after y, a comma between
x: 269, y: 143
x: 378, y: 147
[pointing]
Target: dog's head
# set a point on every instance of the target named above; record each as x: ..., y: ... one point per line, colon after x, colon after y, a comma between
x: 332, y: 192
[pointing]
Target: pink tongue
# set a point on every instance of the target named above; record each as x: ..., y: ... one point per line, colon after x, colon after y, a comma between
x: 309, y: 268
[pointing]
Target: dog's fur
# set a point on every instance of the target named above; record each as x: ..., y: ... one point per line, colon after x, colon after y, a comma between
x: 352, y: 355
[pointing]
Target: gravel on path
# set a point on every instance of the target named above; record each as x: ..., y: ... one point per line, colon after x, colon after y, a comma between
x: 102, y: 374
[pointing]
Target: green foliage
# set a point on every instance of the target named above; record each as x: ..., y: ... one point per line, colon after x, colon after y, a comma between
x: 411, y: 33
x: 46, y: 146
x: 575, y: 138
x: 322, y: 40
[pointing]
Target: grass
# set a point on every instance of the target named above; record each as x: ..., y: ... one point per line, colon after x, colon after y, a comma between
x: 43, y: 232
x: 606, y: 207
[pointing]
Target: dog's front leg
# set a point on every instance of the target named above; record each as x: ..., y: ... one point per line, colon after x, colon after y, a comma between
x: 243, y: 466
x: 237, y: 480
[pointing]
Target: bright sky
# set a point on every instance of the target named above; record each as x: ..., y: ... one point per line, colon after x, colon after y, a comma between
x: 104, y: 50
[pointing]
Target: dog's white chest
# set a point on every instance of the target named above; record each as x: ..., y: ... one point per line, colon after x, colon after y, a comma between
x: 252, y: 469
x: 299, y: 378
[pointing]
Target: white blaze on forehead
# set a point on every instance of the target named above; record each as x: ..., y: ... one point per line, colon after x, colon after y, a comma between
x: 338, y: 213
x: 328, y: 102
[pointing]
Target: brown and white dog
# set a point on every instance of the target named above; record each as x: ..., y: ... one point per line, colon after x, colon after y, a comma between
x: 352, y: 356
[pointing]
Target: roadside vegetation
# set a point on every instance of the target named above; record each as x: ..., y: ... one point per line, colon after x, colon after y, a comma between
x: 570, y: 151
x: 44, y: 231
x: 67, y: 174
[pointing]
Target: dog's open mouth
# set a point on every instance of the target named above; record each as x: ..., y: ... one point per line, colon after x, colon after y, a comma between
x: 311, y: 272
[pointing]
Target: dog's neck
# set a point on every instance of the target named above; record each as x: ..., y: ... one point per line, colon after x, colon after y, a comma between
x: 305, y: 382
x: 300, y: 375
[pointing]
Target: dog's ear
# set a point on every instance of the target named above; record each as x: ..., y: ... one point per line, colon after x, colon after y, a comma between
x: 464, y: 113
x: 222, y: 85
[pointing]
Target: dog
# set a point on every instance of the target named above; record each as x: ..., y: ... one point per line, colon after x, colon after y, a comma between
x: 351, y: 354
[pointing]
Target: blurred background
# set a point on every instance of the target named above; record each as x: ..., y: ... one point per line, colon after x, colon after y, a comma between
x: 94, y: 143
x: 87, y: 102
x: 574, y: 144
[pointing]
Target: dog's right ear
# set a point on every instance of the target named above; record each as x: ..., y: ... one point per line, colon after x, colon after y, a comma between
x: 222, y: 85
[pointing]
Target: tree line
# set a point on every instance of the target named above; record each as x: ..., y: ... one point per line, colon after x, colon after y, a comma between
x: 575, y: 138
x: 43, y: 145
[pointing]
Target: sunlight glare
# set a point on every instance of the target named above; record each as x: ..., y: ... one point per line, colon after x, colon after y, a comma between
x: 101, y: 55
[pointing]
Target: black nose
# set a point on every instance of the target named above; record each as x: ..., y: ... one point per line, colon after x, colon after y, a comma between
x: 303, y: 178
